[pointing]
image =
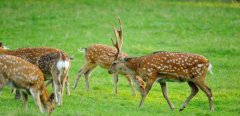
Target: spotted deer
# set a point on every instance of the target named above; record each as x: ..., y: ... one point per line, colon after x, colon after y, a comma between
x: 163, y: 67
x: 54, y: 64
x: 103, y: 56
x: 27, y: 78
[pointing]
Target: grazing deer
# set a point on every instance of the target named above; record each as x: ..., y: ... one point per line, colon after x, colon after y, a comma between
x: 52, y: 62
x: 103, y: 56
x: 163, y: 67
x: 27, y: 78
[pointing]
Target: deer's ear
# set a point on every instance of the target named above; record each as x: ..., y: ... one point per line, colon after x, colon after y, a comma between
x: 1, y: 44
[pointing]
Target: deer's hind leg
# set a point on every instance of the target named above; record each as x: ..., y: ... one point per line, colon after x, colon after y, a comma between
x: 208, y: 92
x: 194, y: 91
x: 86, y: 67
x: 165, y: 94
x: 87, y: 75
x: 67, y: 86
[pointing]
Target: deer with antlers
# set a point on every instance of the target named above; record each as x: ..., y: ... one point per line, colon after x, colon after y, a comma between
x: 103, y: 56
x: 162, y: 67
x: 27, y: 78
x: 53, y: 63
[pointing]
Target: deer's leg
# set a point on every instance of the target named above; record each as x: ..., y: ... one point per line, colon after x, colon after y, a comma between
x: 207, y: 91
x: 130, y: 84
x: 18, y: 94
x: 1, y: 82
x: 194, y: 91
x: 138, y: 82
x: 67, y: 86
x: 61, y: 82
x: 36, y: 97
x: 87, y: 75
x: 165, y: 94
x: 25, y: 100
x: 1, y: 86
x: 55, y: 90
x: 146, y: 91
x: 83, y: 70
x: 115, y: 80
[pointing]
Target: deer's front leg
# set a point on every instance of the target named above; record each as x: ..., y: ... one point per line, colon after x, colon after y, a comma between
x: 140, y: 86
x: 146, y: 91
x: 130, y: 84
x: 25, y: 100
x: 115, y: 78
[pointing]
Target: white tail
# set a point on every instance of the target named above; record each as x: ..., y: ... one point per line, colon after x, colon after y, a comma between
x: 26, y: 77
x: 210, y: 68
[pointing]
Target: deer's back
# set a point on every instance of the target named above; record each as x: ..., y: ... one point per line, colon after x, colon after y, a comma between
x: 44, y: 57
x: 102, y: 55
x: 21, y: 73
x: 33, y: 54
x: 175, y: 65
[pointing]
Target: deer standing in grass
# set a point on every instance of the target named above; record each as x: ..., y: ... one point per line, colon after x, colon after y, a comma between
x: 103, y: 56
x: 162, y: 67
x: 27, y: 78
x: 53, y: 63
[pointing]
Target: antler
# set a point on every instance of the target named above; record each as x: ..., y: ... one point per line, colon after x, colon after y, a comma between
x: 118, y: 33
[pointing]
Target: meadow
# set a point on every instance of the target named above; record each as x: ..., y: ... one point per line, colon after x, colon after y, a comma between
x: 210, y: 28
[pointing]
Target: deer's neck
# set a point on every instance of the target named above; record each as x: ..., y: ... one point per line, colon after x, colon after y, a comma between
x: 44, y: 97
x: 133, y: 64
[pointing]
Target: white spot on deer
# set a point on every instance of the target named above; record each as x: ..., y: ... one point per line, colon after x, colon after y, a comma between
x: 200, y: 65
x: 149, y: 70
x: 62, y: 64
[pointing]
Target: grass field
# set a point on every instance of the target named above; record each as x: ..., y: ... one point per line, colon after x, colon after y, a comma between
x: 208, y: 28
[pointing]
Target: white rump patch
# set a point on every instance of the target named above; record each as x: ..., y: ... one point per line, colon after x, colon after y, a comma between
x: 62, y: 64
x: 210, y: 68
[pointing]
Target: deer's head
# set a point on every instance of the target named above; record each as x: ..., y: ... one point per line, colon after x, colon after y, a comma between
x: 50, y: 105
x: 118, y: 65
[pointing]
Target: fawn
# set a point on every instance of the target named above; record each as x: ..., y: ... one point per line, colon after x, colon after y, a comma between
x: 27, y: 78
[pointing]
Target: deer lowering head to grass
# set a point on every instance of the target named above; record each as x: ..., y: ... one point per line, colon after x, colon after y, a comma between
x: 27, y: 78
x: 103, y: 56
x: 53, y: 63
x: 167, y: 66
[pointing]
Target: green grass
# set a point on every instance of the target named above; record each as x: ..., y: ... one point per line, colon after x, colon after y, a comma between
x: 210, y: 28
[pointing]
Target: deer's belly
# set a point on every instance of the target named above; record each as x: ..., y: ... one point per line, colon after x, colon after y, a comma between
x: 162, y: 79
